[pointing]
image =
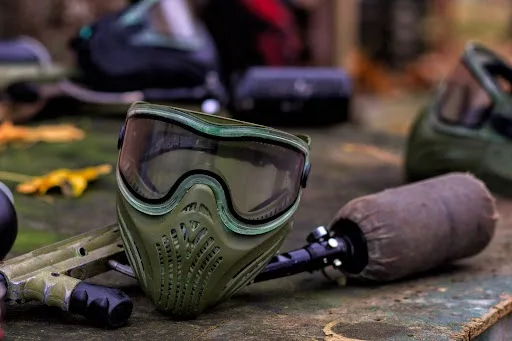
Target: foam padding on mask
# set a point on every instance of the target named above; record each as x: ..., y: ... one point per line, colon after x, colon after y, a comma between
x: 417, y: 227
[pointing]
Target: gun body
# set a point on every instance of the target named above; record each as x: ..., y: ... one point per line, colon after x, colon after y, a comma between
x: 53, y: 274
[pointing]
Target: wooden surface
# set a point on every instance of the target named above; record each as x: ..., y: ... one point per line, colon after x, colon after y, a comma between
x: 449, y: 304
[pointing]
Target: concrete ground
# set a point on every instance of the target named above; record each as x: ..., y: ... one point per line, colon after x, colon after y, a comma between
x: 443, y: 305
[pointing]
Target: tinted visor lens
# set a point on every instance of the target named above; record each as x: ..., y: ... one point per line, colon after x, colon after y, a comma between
x: 462, y: 100
x: 261, y: 179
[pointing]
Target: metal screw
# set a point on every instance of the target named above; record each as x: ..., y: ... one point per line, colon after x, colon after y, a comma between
x: 317, y: 235
x: 333, y: 243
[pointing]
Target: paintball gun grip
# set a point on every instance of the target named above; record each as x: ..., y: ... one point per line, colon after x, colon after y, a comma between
x: 103, y: 305
x: 107, y: 306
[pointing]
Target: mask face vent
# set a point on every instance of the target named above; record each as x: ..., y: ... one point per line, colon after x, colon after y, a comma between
x: 188, y: 257
x: 247, y: 274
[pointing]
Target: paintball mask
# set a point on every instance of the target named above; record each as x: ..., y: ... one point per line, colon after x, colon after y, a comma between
x: 204, y: 202
x: 468, y: 125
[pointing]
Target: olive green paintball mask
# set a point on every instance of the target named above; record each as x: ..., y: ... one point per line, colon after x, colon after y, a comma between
x: 204, y: 202
x: 468, y: 124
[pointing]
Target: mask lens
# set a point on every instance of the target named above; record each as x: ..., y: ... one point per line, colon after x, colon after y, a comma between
x: 262, y: 178
x: 461, y: 99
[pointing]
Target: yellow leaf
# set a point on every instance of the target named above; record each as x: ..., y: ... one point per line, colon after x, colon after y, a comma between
x: 71, y: 182
x: 10, y: 133
x: 78, y: 185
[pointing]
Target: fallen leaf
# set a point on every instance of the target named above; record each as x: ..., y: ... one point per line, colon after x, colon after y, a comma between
x: 10, y: 133
x: 72, y: 183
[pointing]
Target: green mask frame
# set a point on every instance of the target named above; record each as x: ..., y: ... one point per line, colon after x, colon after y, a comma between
x: 189, y: 252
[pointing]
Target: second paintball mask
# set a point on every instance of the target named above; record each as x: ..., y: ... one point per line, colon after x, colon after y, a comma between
x: 467, y: 126
x: 204, y: 202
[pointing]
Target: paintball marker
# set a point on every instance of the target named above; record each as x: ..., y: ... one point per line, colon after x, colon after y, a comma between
x: 53, y: 274
x: 379, y: 237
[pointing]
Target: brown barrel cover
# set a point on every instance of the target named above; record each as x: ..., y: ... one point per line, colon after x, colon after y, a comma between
x: 419, y: 226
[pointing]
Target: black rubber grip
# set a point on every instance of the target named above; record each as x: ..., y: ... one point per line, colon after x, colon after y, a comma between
x: 109, y: 307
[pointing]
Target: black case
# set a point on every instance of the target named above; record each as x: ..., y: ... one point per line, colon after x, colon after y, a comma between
x: 289, y: 95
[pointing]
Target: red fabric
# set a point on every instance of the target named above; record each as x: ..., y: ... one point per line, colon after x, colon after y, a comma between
x: 270, y: 10
x: 271, y: 48
x: 281, y: 45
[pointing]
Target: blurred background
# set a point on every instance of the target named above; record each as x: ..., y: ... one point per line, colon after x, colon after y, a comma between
x: 388, y: 47
x: 331, y: 30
